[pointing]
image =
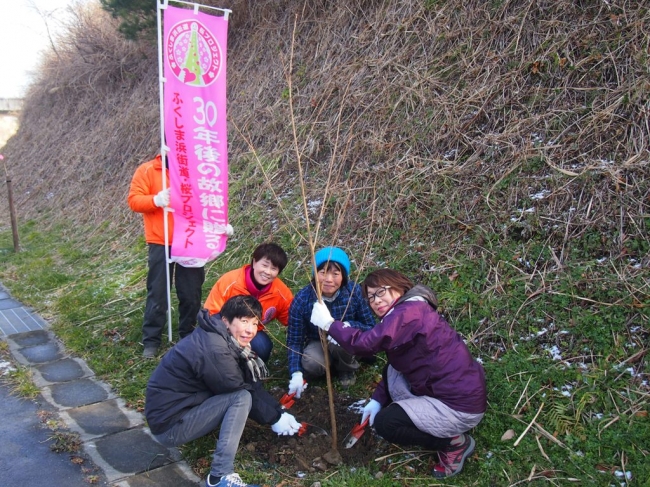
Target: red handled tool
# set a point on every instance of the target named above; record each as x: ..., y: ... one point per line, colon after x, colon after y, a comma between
x: 308, y: 429
x: 356, y: 433
x: 287, y: 400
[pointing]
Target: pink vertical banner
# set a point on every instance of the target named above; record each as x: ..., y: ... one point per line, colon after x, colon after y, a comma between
x: 194, y: 94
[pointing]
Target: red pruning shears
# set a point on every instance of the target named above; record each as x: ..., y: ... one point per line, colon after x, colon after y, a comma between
x: 355, y: 434
x: 288, y: 400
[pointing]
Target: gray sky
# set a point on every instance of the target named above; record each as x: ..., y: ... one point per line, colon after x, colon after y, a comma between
x: 23, y: 36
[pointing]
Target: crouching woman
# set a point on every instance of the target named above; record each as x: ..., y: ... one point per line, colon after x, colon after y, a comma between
x: 212, y: 378
x: 432, y: 391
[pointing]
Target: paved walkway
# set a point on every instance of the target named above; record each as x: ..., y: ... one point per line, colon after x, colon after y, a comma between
x: 118, y: 447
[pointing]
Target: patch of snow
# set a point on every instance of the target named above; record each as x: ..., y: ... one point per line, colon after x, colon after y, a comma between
x: 541, y: 195
x: 6, y: 368
x: 555, y: 352
x: 607, y: 162
x: 451, y: 154
x: 620, y: 474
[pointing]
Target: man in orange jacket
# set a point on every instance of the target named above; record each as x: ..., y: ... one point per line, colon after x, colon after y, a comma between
x: 148, y: 197
x: 260, y: 280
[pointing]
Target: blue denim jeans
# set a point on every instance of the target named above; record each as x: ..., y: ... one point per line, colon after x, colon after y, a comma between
x: 228, y: 410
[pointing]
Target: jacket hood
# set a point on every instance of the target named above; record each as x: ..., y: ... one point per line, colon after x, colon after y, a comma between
x: 212, y: 324
x: 421, y: 291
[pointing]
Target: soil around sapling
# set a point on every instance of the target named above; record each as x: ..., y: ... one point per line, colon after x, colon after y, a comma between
x: 294, y: 455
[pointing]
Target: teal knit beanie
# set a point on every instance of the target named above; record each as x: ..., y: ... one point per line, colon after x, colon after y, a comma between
x: 333, y: 254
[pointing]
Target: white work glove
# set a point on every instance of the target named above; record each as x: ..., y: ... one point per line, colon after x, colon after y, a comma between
x: 321, y: 316
x: 297, y: 384
x: 229, y: 230
x: 332, y: 341
x: 162, y: 199
x: 286, y: 426
x: 370, y: 410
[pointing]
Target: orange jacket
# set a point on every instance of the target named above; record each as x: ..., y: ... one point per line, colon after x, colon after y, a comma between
x: 275, y: 302
x: 147, y: 183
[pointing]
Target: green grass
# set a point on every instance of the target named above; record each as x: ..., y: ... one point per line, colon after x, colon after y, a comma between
x: 18, y: 378
x: 517, y: 311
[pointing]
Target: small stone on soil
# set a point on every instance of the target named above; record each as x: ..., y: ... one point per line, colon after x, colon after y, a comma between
x: 319, y: 464
x: 333, y: 457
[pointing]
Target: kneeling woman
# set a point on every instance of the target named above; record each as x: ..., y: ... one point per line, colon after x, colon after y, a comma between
x: 432, y: 391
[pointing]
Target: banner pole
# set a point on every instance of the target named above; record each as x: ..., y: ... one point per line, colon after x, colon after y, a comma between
x: 163, y: 152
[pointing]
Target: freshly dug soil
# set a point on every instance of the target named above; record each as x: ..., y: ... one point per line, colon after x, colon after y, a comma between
x: 296, y: 455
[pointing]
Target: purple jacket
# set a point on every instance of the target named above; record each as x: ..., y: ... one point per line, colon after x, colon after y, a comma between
x: 421, y: 345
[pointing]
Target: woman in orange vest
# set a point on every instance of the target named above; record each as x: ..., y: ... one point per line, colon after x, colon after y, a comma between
x: 260, y: 280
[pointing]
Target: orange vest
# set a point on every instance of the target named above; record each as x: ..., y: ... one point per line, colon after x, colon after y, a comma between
x: 147, y: 183
x: 275, y: 302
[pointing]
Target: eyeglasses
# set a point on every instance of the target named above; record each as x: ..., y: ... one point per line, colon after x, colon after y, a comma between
x: 378, y: 293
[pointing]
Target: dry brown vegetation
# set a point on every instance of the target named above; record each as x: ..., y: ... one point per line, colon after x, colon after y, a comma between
x: 461, y: 110
x: 497, y: 150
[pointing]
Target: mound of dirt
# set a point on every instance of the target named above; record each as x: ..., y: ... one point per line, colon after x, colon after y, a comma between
x: 297, y: 455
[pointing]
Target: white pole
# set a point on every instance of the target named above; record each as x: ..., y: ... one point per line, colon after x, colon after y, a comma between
x: 163, y: 152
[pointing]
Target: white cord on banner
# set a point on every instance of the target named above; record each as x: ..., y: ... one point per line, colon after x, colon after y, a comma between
x: 226, y: 11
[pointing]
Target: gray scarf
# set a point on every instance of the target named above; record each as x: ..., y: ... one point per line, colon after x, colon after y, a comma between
x: 255, y: 365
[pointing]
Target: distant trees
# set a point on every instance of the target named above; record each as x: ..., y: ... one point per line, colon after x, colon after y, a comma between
x: 138, y: 17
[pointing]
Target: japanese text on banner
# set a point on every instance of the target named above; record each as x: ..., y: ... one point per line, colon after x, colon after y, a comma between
x: 194, y: 52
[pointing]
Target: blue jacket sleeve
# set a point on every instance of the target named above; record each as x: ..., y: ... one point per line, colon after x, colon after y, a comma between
x: 298, y: 321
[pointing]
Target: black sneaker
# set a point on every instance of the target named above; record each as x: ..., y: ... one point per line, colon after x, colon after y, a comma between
x: 150, y: 351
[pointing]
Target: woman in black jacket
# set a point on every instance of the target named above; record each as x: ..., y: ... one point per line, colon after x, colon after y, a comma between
x: 211, y: 378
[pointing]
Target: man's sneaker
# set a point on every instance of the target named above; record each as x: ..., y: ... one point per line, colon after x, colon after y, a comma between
x: 453, y: 457
x: 347, y: 379
x: 150, y: 352
x: 232, y: 480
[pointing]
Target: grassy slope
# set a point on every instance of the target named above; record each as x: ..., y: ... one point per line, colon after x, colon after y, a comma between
x: 495, y: 151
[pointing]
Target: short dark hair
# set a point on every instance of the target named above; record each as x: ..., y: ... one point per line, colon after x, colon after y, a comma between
x: 241, y: 306
x: 386, y: 277
x: 273, y: 252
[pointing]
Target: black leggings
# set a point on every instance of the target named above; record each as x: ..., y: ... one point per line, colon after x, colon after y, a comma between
x: 393, y: 424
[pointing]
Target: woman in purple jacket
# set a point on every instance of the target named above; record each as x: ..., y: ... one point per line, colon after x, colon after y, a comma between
x: 432, y: 391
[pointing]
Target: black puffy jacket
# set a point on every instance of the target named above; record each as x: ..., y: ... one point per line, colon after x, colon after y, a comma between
x: 201, y: 365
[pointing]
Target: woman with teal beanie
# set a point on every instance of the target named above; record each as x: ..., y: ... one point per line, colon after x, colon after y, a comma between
x: 345, y: 301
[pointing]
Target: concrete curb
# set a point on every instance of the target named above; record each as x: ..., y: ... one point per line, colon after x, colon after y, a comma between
x: 114, y: 437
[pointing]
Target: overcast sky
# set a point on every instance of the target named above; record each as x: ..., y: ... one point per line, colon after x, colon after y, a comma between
x: 23, y: 36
